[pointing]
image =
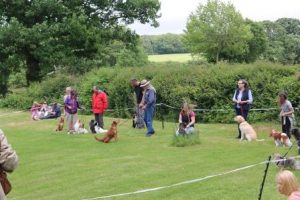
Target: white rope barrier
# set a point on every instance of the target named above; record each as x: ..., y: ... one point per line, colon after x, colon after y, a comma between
x: 186, y: 182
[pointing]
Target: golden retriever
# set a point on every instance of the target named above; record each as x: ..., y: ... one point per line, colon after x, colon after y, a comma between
x: 247, y: 131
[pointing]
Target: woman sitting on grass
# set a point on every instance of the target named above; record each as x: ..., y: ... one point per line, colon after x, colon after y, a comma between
x: 287, y: 185
x: 187, y: 119
x: 35, y: 109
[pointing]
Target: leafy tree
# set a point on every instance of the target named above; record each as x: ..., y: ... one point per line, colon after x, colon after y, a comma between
x: 291, y: 26
x: 45, y: 34
x: 283, y: 43
x: 256, y: 46
x: 217, y: 29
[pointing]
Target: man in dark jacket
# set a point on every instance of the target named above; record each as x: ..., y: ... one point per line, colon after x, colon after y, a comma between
x: 139, y: 112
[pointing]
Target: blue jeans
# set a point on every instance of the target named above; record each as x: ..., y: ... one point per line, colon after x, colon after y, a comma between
x: 148, y: 118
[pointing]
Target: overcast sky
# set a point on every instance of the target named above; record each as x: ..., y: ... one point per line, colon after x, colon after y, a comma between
x: 175, y: 13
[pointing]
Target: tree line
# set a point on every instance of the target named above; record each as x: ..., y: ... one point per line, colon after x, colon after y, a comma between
x: 219, y: 32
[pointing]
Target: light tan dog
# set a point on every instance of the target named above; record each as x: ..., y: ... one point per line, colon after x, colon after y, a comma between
x: 247, y: 131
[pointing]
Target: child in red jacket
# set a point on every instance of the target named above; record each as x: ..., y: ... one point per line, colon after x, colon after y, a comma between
x: 99, y: 105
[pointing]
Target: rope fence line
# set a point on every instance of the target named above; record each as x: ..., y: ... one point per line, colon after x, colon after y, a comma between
x: 188, y: 181
x: 164, y: 105
x: 200, y: 109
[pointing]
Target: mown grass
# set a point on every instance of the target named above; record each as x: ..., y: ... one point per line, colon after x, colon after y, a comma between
x: 56, y: 166
x: 184, y: 57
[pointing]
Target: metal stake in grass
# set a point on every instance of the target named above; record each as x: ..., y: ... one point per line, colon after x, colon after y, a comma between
x: 264, y: 179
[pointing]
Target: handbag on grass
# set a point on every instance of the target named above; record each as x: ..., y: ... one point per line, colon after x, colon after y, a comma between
x: 6, y: 186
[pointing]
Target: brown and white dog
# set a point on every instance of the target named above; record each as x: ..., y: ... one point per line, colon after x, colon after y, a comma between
x: 111, y: 133
x: 280, y: 139
x: 60, y: 124
x: 79, y: 127
x: 247, y: 131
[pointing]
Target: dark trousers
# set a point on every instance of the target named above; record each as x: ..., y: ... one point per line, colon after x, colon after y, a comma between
x: 244, y: 113
x: 286, y: 126
x: 99, y: 119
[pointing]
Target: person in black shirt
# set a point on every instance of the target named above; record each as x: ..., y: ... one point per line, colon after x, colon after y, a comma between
x: 139, y: 112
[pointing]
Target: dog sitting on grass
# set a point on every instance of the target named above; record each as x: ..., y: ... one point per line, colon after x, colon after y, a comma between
x: 60, y: 125
x: 111, y: 133
x: 247, y: 131
x: 79, y: 128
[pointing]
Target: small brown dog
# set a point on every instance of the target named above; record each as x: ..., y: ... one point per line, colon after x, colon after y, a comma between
x: 280, y: 138
x: 111, y: 133
x: 60, y: 125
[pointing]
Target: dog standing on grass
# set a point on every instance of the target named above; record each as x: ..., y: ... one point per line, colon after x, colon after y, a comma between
x: 247, y: 131
x: 280, y: 139
x: 60, y: 125
x: 111, y: 133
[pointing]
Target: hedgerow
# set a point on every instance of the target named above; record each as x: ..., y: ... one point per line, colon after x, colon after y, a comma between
x: 207, y: 86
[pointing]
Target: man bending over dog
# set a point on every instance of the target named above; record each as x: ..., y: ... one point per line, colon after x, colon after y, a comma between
x: 139, y: 96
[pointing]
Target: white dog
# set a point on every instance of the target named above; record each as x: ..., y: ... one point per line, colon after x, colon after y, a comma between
x: 247, y: 131
x: 79, y: 128
x: 98, y: 129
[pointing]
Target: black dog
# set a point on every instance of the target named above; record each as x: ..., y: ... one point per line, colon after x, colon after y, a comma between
x: 296, y: 134
x: 92, y: 124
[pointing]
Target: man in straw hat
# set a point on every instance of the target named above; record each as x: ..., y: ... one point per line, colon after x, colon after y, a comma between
x: 148, y: 105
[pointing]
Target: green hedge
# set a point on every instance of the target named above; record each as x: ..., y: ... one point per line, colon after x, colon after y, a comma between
x: 207, y: 86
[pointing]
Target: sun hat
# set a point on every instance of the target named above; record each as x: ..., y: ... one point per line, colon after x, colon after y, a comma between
x: 144, y: 83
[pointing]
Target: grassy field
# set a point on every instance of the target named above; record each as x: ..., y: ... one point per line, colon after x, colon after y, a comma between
x: 58, y: 166
x: 184, y: 57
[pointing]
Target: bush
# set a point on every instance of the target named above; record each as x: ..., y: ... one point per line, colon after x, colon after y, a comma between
x: 50, y: 90
x: 209, y: 87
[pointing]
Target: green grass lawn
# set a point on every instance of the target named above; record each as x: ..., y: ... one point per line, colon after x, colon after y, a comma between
x: 58, y: 166
x: 184, y: 57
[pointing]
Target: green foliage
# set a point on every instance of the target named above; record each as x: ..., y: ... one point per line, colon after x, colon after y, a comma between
x: 209, y: 87
x: 216, y: 30
x: 283, y: 41
x: 186, y: 140
x: 50, y: 90
x: 163, y: 44
x: 45, y: 35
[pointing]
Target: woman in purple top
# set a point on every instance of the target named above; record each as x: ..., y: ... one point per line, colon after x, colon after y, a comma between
x: 71, y: 107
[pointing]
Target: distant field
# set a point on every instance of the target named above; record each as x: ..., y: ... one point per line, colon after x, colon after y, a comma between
x: 184, y: 57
